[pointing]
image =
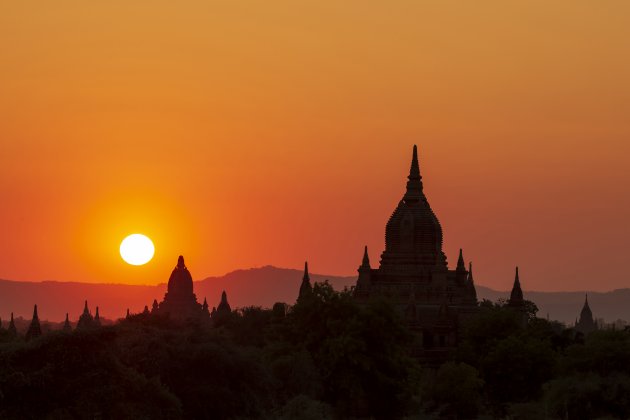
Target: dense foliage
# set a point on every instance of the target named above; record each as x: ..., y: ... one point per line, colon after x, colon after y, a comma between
x: 324, y: 357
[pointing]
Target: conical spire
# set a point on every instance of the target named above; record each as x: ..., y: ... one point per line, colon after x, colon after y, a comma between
x: 34, y: 330
x: 66, y: 325
x: 414, y: 183
x: 155, y: 306
x: 97, y: 317
x: 461, y: 265
x: 366, y: 259
x: 128, y: 315
x: 586, y: 302
x: 224, y: 306
x: 470, y: 274
x: 305, y: 287
x: 306, y: 276
x: 516, y: 296
x: 12, y: 330
x: 85, y: 320
x: 180, y: 262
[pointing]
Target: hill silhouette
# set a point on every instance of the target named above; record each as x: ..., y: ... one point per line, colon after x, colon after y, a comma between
x: 262, y: 286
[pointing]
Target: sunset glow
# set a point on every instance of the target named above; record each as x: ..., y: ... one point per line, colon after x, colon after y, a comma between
x: 243, y: 135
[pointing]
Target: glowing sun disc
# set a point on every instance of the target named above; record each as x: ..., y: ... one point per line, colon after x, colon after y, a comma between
x: 137, y: 249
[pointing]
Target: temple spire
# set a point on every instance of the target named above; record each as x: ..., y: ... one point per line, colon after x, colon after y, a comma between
x: 97, y: 318
x: 414, y: 183
x: 305, y: 287
x: 66, y: 325
x: 461, y: 265
x: 366, y: 259
x: 12, y: 330
x: 224, y: 306
x: 516, y: 296
x: 34, y: 330
x: 306, y: 276
x: 180, y: 262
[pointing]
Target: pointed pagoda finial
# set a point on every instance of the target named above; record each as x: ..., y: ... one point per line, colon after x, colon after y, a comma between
x: 128, y: 315
x: 66, y: 325
x: 96, y: 316
x: 470, y: 272
x: 366, y: 259
x: 86, y: 311
x: 305, y: 287
x: 461, y: 265
x: 34, y: 330
x: 306, y: 276
x: 180, y: 262
x: 12, y: 330
x: 516, y: 296
x: 414, y: 171
x: 414, y: 183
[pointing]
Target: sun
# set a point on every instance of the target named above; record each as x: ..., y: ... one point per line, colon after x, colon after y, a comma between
x: 137, y: 249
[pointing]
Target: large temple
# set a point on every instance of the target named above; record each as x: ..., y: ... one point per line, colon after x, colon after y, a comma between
x: 413, y: 271
x: 179, y: 301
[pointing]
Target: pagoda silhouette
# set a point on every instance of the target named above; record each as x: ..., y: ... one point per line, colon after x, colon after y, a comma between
x: 414, y: 273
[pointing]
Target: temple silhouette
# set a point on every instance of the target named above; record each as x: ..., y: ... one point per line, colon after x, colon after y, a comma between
x: 179, y: 301
x: 586, y: 324
x: 413, y: 271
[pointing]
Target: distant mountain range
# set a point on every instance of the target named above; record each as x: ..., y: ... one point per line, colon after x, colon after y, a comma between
x: 258, y: 287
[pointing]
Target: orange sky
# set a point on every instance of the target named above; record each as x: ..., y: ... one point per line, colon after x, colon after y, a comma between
x: 249, y: 133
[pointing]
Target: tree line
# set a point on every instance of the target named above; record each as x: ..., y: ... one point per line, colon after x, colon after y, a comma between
x: 324, y: 357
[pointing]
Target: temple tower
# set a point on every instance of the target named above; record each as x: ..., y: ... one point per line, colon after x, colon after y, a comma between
x: 414, y: 273
x: 86, y: 320
x: 586, y: 324
x: 305, y: 288
x: 11, y: 328
x: 34, y: 330
x: 179, y: 301
x: 66, y: 325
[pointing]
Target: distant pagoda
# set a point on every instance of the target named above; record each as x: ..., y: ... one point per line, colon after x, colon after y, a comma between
x: 35, y: 329
x: 66, y: 325
x: 179, y: 301
x: 586, y: 324
x: 86, y: 320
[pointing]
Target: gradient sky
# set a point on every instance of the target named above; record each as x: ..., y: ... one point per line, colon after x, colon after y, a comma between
x: 250, y: 133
